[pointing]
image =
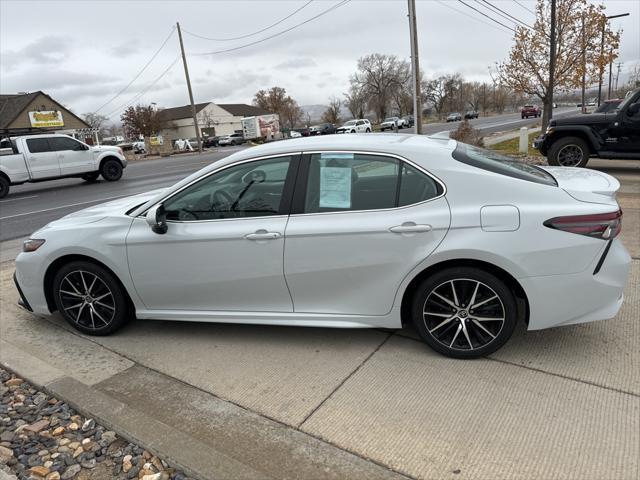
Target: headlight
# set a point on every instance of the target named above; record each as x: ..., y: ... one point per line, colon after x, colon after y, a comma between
x: 32, y: 244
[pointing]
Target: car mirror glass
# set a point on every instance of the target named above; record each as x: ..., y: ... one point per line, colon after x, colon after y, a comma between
x: 157, y: 219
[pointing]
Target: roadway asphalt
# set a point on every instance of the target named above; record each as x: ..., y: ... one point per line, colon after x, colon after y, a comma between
x: 31, y: 206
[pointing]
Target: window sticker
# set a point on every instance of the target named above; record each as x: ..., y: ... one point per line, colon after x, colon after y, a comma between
x: 335, y: 187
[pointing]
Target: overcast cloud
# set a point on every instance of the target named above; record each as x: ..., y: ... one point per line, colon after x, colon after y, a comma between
x: 84, y: 52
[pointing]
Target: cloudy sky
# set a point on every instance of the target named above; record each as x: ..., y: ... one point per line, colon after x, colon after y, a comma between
x: 84, y: 53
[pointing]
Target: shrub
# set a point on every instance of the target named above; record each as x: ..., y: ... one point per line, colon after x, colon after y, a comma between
x: 465, y: 133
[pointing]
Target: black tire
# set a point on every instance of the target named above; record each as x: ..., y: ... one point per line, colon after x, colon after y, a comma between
x: 568, y: 152
x: 465, y: 332
x: 5, y: 185
x: 108, y: 308
x: 111, y: 170
x: 91, y: 177
x: 368, y: 130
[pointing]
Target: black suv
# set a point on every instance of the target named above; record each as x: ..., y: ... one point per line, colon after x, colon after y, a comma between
x: 570, y: 141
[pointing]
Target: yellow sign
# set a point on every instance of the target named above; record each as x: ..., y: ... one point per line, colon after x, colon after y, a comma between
x: 155, y: 141
x: 50, y: 118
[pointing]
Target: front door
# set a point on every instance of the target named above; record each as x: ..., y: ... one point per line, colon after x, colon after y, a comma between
x: 41, y: 158
x: 73, y: 156
x: 362, y: 224
x: 224, y: 247
x: 628, y: 130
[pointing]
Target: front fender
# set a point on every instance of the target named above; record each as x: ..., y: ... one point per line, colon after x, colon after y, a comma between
x: 595, y: 141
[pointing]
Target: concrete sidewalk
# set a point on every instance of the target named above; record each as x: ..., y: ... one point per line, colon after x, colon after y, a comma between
x: 230, y: 401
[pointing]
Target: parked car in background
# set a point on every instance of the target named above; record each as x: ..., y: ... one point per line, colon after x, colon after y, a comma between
x: 295, y: 134
x: 391, y: 123
x: 409, y: 120
x: 374, y: 240
x: 48, y: 157
x: 571, y: 141
x: 609, y: 105
x: 211, y: 141
x: 233, y: 139
x: 530, y: 111
x: 304, y: 131
x: 360, y: 125
x: 322, y: 129
x: 471, y: 114
x: 454, y: 117
x: 138, y: 147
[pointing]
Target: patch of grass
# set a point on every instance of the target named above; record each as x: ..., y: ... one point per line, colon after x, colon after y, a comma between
x: 510, y: 147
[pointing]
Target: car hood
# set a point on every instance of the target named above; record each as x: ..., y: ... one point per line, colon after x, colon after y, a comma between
x: 348, y: 126
x: 97, y: 212
x: 588, y: 119
x: 105, y: 148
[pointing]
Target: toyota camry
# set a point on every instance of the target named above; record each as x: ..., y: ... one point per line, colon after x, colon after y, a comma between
x: 344, y: 231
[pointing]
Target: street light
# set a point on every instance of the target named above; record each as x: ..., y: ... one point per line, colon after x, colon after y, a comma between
x: 604, y: 26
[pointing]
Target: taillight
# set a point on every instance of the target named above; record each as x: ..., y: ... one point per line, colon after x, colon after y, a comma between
x: 602, y: 225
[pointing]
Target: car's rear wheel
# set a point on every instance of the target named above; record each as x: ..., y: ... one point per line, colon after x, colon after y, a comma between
x: 569, y: 152
x: 111, y: 170
x: 4, y: 186
x: 89, y: 298
x: 91, y: 177
x: 464, y: 312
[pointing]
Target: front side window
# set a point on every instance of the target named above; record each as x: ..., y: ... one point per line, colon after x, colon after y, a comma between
x: 253, y: 189
x: 352, y: 181
x: 63, y: 143
x: 38, y: 145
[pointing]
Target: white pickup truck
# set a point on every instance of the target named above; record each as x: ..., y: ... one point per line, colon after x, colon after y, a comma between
x: 39, y: 158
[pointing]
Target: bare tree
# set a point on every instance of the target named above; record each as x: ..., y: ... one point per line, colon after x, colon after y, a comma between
x: 95, y: 120
x: 355, y: 101
x: 291, y: 114
x: 276, y: 100
x: 332, y: 113
x: 379, y: 76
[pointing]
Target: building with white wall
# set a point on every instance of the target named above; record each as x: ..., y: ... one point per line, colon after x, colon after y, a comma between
x: 213, y: 119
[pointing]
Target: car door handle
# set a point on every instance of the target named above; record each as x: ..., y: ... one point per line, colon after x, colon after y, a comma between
x: 262, y: 235
x: 410, y: 227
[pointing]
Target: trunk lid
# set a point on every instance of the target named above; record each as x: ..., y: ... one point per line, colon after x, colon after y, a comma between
x: 586, y: 185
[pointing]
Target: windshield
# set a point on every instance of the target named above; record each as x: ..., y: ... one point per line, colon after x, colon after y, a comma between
x: 351, y: 122
x: 501, y: 164
x: 390, y: 119
x: 628, y: 100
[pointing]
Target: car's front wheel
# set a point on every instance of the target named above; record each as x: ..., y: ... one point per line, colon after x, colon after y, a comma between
x: 90, y: 298
x: 111, y: 170
x: 569, y: 152
x: 464, y: 312
x: 5, y: 185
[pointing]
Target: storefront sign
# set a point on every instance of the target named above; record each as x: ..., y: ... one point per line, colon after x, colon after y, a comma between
x: 47, y: 118
x: 156, y: 141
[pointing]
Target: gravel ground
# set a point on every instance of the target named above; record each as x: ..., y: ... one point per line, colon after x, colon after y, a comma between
x: 41, y: 437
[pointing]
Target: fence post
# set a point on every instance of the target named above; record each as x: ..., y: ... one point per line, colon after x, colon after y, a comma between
x: 524, y: 140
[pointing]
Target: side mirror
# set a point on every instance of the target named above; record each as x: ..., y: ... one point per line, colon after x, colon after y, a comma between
x: 633, y: 109
x: 157, y: 219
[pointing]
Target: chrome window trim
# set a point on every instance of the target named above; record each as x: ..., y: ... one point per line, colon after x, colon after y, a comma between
x: 222, y: 168
x: 381, y: 154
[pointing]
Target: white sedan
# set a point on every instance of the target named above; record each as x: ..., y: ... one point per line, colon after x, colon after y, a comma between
x: 344, y: 231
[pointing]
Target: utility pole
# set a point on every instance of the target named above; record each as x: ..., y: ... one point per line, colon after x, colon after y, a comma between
x: 186, y: 74
x: 619, y: 67
x: 415, y: 69
x: 584, y: 68
x: 610, y: 76
x: 601, y: 66
x: 548, y: 113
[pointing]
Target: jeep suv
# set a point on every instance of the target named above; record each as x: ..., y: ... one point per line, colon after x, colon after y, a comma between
x: 570, y: 141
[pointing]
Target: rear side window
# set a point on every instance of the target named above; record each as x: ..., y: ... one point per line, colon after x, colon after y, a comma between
x: 501, y: 164
x: 416, y: 187
x: 63, y: 143
x: 38, y: 145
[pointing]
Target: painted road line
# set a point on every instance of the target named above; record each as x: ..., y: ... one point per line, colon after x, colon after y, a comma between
x: 16, y: 199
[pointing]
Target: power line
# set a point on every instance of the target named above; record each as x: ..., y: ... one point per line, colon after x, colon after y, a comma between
x: 141, y: 93
x: 139, y: 73
x: 504, y: 14
x: 324, y: 12
x: 487, y: 16
x: 444, y: 4
x: 524, y: 6
x: 249, y: 34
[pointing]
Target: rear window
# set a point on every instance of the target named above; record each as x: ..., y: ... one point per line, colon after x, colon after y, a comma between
x: 38, y: 145
x: 501, y: 164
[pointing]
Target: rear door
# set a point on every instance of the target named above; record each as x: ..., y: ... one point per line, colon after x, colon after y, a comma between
x: 73, y: 156
x: 361, y: 222
x: 42, y: 159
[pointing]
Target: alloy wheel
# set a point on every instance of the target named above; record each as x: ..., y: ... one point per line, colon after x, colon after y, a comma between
x: 87, y: 300
x: 112, y: 170
x: 570, y: 155
x: 463, y: 314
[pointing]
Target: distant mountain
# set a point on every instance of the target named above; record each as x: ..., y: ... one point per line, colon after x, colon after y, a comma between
x: 316, y: 111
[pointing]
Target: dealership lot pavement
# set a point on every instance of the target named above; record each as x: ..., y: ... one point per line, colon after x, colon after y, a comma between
x: 273, y: 402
